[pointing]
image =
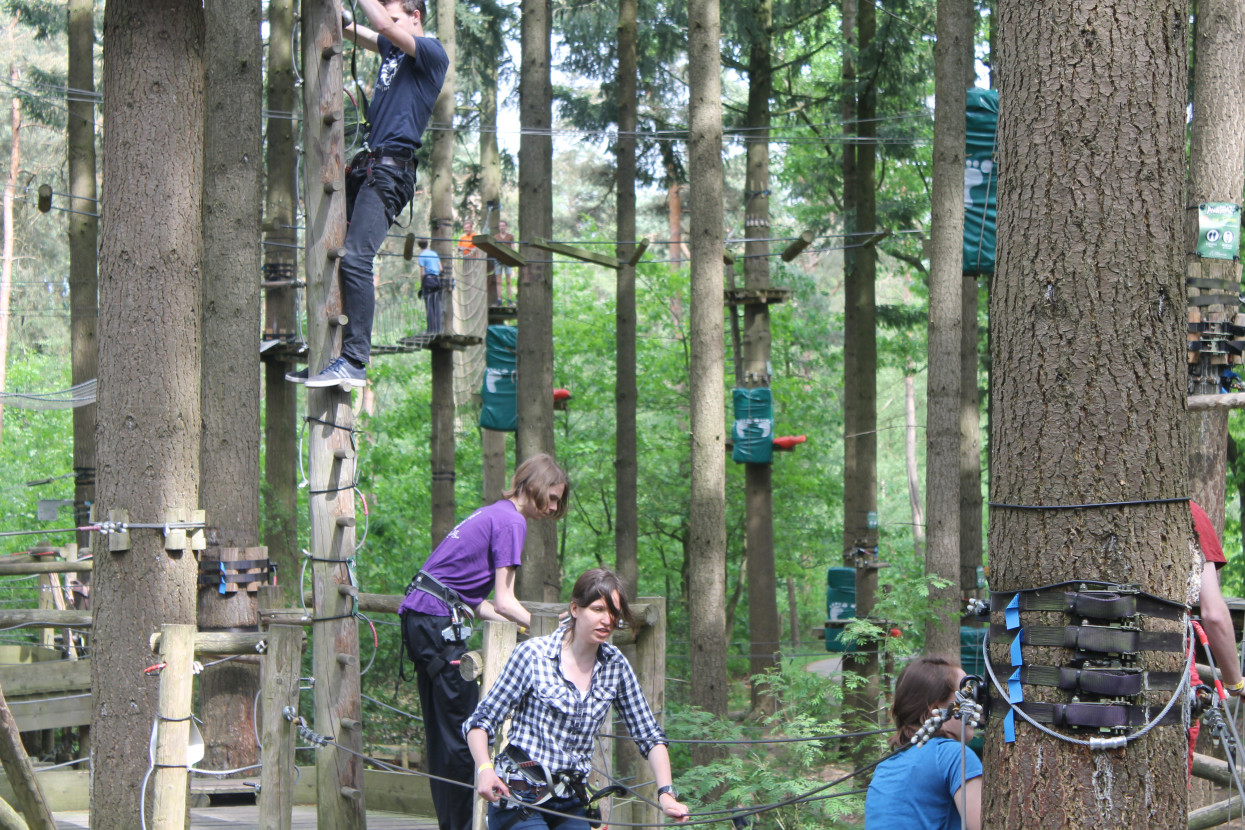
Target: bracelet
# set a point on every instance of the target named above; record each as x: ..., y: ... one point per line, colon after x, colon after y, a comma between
x: 484, y: 766
x: 1237, y: 687
x: 523, y: 629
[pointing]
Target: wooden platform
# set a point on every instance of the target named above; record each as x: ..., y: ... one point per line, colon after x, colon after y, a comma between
x: 304, y: 818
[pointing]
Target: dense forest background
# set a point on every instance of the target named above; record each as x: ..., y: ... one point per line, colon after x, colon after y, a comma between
x: 35, y: 446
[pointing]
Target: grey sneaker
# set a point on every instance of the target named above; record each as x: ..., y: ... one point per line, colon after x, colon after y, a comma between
x: 338, y: 372
x: 297, y: 377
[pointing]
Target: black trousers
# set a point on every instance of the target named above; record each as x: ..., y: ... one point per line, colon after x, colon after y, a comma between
x: 447, y: 701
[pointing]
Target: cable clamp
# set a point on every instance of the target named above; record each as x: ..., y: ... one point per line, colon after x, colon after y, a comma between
x: 1118, y: 742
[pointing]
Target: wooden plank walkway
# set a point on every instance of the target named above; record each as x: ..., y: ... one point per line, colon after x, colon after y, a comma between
x: 238, y: 816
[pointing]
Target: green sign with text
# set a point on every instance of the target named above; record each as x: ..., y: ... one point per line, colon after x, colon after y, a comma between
x: 1218, y: 230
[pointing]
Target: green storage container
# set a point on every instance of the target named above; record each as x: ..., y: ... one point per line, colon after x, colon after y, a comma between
x: 981, y: 181
x: 499, y: 394
x: 840, y: 607
x: 753, y: 431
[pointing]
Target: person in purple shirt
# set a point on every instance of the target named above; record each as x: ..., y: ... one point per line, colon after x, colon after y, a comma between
x: 477, y: 558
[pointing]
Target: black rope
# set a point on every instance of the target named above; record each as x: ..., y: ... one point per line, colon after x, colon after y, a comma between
x: 331, y: 490
x: 323, y: 422
x: 1087, y: 505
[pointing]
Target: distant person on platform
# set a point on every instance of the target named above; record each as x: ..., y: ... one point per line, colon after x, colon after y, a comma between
x: 381, y: 178
x: 479, y: 557
x: 430, y: 286
x: 505, y: 237
x: 466, y: 247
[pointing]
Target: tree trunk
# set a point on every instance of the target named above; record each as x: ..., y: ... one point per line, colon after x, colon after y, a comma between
x: 229, y: 460
x: 442, y: 359
x: 626, y: 465
x: 492, y: 442
x: 539, y: 578
x: 860, y: 445
x: 942, y: 411
x: 914, y: 472
x: 6, y: 218
x: 149, y: 417
x: 970, y: 442
x: 280, y: 322
x: 1216, y: 170
x: 1089, y: 382
x: 674, y: 212
x: 763, y: 620
x: 707, y: 510
x: 83, y: 240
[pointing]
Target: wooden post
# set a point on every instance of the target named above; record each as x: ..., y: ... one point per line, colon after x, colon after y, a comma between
x: 279, y: 675
x: 335, y: 651
x: 171, y: 777
x: 499, y: 642
x: 21, y: 774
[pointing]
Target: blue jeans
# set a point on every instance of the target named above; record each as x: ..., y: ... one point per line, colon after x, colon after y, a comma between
x: 500, y: 818
x: 375, y: 194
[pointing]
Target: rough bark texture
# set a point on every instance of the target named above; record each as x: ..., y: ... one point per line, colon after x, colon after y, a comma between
x: 765, y: 630
x: 707, y: 511
x: 280, y: 262
x: 442, y: 361
x: 149, y: 418
x: 860, y: 444
x: 1089, y: 377
x: 539, y: 579
x: 1216, y: 170
x: 229, y: 460
x: 83, y: 224
x: 970, y: 442
x: 626, y: 512
x: 942, y: 411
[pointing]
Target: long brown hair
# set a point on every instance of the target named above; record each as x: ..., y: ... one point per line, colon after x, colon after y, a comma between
x: 534, y: 477
x: 602, y: 583
x: 923, y: 685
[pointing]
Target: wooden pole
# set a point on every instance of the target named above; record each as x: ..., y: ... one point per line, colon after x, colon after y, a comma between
x: 279, y: 675
x: 335, y: 650
x: 171, y: 776
x: 1202, y: 403
x: 21, y: 774
x: 499, y: 642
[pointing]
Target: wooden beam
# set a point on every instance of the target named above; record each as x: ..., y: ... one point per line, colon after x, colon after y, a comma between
x: 638, y: 251
x: 577, y: 253
x: 1215, y: 814
x: 219, y: 642
x: 51, y: 618
x: 36, y: 567
x: 279, y: 675
x: 797, y: 247
x: 499, y: 251
x: 1202, y: 403
x: 21, y: 773
x: 171, y: 776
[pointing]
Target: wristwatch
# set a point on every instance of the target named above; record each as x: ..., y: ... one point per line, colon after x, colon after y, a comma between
x: 669, y: 788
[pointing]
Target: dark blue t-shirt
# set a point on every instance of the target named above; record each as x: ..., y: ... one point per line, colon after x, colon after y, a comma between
x: 916, y: 789
x: 406, y: 89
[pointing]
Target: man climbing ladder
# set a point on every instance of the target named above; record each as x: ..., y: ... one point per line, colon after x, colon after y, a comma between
x: 380, y: 180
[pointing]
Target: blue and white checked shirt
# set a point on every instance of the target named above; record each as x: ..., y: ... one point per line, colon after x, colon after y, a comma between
x: 552, y: 721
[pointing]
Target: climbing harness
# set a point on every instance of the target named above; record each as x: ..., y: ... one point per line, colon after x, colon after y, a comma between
x: 531, y: 784
x: 461, y: 615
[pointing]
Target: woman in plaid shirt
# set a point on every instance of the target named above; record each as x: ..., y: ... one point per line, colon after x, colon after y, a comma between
x: 558, y: 690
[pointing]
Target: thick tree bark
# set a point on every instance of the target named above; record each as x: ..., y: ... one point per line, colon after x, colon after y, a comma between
x: 149, y: 418
x: 970, y: 442
x: 280, y: 263
x: 914, y: 473
x: 229, y: 460
x: 860, y: 444
x: 442, y: 360
x: 626, y: 467
x: 1216, y: 169
x: 707, y: 510
x: 539, y: 578
x: 763, y: 622
x: 83, y: 241
x: 942, y: 411
x: 1089, y: 377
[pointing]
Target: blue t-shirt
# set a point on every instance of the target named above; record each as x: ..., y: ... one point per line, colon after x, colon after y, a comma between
x: 468, y: 558
x: 406, y: 89
x: 430, y: 262
x: 916, y: 789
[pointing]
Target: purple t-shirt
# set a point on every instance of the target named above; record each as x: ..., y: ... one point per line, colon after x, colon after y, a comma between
x: 468, y: 558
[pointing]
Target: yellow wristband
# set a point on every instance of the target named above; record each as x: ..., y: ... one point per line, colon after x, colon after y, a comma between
x: 484, y: 766
x: 523, y: 629
x: 1236, y: 688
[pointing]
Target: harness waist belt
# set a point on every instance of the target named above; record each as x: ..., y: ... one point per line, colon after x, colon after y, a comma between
x: 1098, y: 638
x: 1098, y: 715
x: 1109, y: 682
x: 429, y: 584
x: 402, y: 164
x: 1096, y: 604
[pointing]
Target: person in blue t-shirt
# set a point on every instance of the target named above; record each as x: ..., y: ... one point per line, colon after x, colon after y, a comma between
x: 927, y: 787
x: 430, y: 285
x: 381, y: 179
